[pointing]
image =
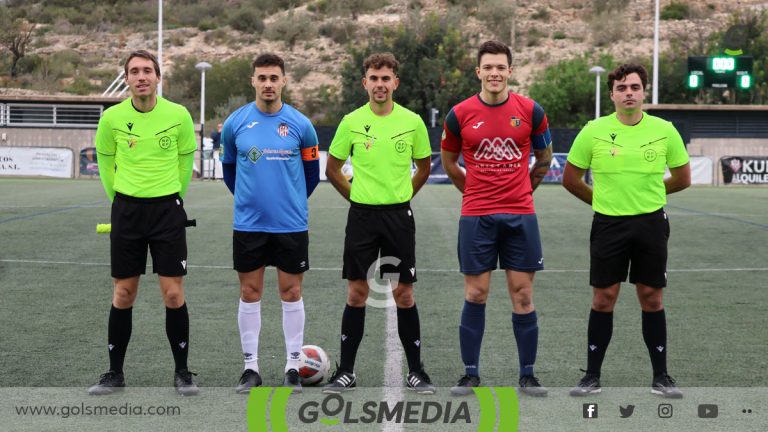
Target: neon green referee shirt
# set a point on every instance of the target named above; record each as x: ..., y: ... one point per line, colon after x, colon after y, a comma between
x: 145, y: 155
x: 628, y: 162
x: 382, y: 150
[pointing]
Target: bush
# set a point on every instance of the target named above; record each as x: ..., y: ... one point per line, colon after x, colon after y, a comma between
x: 291, y: 28
x: 80, y: 86
x: 559, y: 35
x: 339, y: 31
x: 675, y: 11
x: 300, y: 71
x: 246, y: 21
x: 542, y: 13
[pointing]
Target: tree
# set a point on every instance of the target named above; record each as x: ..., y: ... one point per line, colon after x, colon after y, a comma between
x: 15, y: 35
x: 224, y: 82
x: 566, y: 91
x: 436, y: 68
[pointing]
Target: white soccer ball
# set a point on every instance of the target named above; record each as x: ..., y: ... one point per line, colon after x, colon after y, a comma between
x: 314, y: 365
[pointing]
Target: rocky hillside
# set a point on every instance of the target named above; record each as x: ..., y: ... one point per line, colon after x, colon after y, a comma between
x: 546, y: 31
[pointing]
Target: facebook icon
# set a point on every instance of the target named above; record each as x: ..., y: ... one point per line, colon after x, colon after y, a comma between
x: 589, y: 410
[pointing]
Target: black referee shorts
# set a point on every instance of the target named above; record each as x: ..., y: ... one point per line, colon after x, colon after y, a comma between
x: 158, y: 223
x: 618, y: 242
x: 386, y: 229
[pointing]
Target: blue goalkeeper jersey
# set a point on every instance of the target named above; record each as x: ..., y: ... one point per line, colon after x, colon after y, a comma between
x: 270, y: 188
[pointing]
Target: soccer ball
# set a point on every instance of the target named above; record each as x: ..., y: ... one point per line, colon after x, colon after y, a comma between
x: 313, y: 365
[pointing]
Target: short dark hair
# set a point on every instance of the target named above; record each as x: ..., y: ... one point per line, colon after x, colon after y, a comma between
x: 494, y: 47
x: 622, y: 71
x: 268, y: 59
x: 380, y: 60
x: 145, y: 55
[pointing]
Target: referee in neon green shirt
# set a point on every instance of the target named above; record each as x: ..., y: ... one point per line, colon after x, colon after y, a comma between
x: 628, y: 152
x: 383, y: 139
x: 146, y: 147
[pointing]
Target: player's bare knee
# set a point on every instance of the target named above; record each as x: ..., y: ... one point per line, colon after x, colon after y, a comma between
x: 291, y: 294
x: 651, y: 303
x: 404, y: 297
x: 123, y: 297
x: 174, y: 298
x: 250, y: 293
x: 475, y: 294
x: 357, y: 293
x: 603, y: 301
x: 523, y: 302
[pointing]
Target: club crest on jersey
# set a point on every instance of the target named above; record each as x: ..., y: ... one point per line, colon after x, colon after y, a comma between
x: 282, y: 130
x: 514, y: 121
x: 131, y: 142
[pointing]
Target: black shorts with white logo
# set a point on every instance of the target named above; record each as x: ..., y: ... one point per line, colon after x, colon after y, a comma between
x: 158, y: 223
x: 286, y: 251
x: 620, y: 242
x: 386, y: 229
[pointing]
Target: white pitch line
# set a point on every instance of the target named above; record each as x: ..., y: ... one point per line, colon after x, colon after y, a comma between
x: 393, y: 363
x: 229, y: 267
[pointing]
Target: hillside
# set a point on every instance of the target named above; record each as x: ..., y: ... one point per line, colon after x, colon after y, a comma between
x: 546, y: 31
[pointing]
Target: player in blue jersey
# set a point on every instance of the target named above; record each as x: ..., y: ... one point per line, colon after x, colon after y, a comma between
x: 271, y: 165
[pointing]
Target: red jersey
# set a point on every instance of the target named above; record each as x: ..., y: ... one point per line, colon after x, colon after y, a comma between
x: 495, y: 141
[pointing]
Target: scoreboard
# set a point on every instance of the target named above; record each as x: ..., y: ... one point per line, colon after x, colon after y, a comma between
x: 720, y: 72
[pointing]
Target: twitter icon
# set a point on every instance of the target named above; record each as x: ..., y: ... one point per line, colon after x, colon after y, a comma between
x: 626, y: 412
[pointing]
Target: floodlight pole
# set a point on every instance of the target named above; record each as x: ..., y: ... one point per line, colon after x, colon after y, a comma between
x: 202, y: 67
x: 655, y: 88
x: 160, y: 44
x: 597, y: 70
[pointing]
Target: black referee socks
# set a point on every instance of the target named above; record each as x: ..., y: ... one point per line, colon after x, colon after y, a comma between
x: 118, y: 336
x: 177, y: 329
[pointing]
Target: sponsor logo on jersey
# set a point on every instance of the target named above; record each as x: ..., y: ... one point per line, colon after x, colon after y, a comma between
x: 367, y: 128
x: 254, y: 154
x: 282, y: 129
x: 251, y: 124
x: 130, y: 125
x: 477, y: 125
x: 499, y: 149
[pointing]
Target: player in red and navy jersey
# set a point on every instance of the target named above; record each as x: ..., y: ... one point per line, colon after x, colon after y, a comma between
x: 495, y: 131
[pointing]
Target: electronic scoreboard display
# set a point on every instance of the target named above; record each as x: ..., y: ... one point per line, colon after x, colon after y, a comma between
x: 720, y: 72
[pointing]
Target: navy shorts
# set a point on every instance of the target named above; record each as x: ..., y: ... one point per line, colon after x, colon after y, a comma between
x: 618, y: 241
x: 157, y: 223
x: 512, y: 240
x: 286, y: 251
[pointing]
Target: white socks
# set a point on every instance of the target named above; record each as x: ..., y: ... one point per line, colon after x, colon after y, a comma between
x: 293, y: 330
x: 249, y: 322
